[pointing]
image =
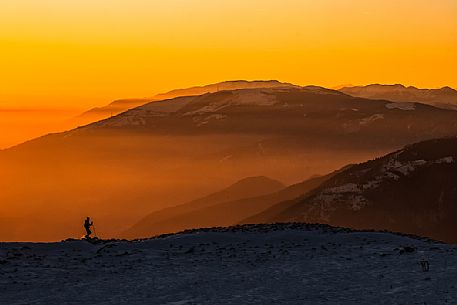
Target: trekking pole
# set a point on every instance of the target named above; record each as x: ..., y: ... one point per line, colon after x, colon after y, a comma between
x: 95, y: 232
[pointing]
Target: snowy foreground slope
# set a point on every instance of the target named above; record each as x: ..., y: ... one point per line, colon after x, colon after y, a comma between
x: 253, y: 264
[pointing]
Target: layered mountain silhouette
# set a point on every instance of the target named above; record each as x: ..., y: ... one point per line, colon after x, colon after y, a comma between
x: 412, y: 190
x: 308, y: 111
x: 216, y: 210
x: 445, y: 97
x: 154, y: 223
x: 163, y: 153
x: 122, y: 105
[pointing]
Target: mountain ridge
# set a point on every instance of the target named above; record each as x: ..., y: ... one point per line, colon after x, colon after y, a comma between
x: 445, y: 97
x: 121, y: 105
x: 410, y: 190
x: 223, y: 213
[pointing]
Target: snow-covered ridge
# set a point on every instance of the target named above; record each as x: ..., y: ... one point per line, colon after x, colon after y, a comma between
x: 253, y: 264
x: 393, y: 169
x: 262, y: 97
x: 138, y: 116
x: 246, y: 97
x: 238, y: 98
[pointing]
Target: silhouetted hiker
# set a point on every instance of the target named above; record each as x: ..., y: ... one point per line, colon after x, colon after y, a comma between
x: 87, y: 225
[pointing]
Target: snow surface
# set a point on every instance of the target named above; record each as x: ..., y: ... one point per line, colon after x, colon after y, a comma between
x: 262, y: 264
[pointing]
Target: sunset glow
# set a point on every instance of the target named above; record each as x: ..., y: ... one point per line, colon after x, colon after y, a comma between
x: 228, y: 152
x: 75, y: 55
x: 86, y: 53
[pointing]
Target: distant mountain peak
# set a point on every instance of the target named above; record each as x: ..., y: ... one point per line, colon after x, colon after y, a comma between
x: 445, y: 97
x: 251, y: 183
x: 272, y: 81
x: 392, y: 86
x: 449, y: 89
x: 248, y: 181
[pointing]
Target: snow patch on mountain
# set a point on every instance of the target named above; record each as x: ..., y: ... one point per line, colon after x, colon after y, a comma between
x: 200, y: 121
x: 132, y: 118
x: 371, y: 119
x: 394, y: 167
x: 353, y: 194
x: 320, y: 90
x: 346, y: 188
x: 167, y: 106
x: 140, y: 115
x: 238, y: 98
x: 350, y: 192
x: 216, y: 117
x: 401, y: 106
x: 446, y: 160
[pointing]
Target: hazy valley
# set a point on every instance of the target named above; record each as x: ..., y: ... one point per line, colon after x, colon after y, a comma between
x: 165, y: 153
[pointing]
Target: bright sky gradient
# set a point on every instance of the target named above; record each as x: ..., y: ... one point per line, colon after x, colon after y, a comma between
x: 84, y: 53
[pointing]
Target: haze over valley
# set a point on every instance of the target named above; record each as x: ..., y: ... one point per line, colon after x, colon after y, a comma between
x: 164, y: 153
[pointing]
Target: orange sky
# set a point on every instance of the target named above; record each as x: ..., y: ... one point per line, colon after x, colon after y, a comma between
x: 76, y: 54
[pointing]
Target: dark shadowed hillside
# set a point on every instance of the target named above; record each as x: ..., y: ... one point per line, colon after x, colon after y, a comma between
x: 413, y: 190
